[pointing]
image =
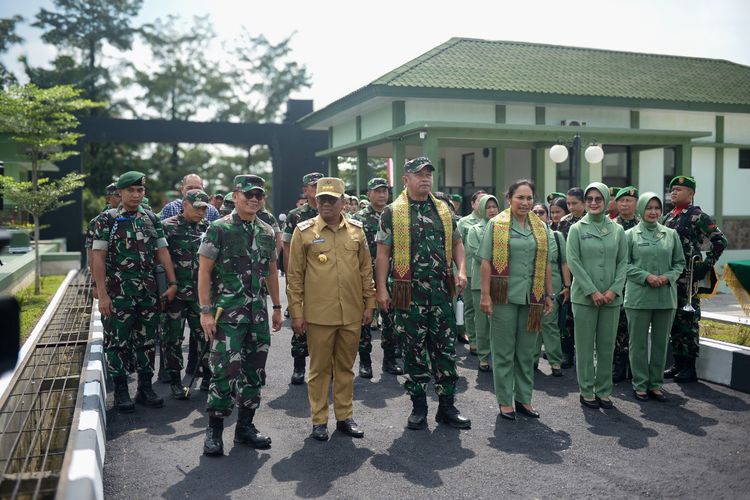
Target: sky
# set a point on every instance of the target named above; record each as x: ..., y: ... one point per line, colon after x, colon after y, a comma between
x: 347, y: 44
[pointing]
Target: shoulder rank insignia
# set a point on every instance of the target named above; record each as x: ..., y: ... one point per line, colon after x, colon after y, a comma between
x: 305, y: 224
x: 355, y: 222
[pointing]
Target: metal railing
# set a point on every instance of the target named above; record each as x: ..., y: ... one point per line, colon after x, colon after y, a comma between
x: 37, y: 413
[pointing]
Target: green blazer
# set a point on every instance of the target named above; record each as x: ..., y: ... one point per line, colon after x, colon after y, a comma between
x: 658, y: 253
x: 598, y: 262
x: 473, y: 261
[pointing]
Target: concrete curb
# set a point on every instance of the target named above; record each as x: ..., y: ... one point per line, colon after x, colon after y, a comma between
x: 725, y: 364
x: 82, y: 477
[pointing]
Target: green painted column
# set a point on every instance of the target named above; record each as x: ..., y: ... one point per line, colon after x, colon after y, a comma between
x: 537, y: 170
x: 333, y: 166
x: 684, y: 159
x: 361, y: 170
x: 635, y: 168
x: 431, y: 150
x: 719, y: 173
x: 399, y: 157
x: 498, y: 170
x: 584, y: 170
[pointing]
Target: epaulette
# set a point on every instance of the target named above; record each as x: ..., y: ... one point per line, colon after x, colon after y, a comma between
x: 355, y: 222
x: 305, y: 224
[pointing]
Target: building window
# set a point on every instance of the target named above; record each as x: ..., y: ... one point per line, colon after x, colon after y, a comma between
x: 467, y: 170
x: 745, y: 158
x: 616, y: 166
x: 566, y: 177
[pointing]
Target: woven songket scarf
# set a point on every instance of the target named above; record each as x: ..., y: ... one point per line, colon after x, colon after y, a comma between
x: 501, y: 265
x: 402, y: 249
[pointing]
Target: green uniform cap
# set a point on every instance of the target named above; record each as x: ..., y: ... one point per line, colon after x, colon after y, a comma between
x: 457, y: 197
x: 375, y: 183
x: 131, y: 178
x: 311, y: 178
x: 627, y: 191
x: 553, y: 195
x: 363, y: 197
x: 111, y: 189
x: 416, y: 164
x: 247, y: 183
x: 613, y: 192
x: 228, y: 205
x: 197, y: 198
x: 330, y: 186
x: 683, y: 180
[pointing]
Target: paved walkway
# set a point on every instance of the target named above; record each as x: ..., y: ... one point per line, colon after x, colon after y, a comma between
x: 694, y: 446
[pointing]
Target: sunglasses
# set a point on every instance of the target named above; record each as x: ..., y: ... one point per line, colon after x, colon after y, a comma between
x: 249, y: 195
x: 594, y: 199
x: 327, y: 200
x: 540, y: 212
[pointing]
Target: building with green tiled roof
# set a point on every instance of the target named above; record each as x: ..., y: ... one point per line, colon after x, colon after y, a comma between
x: 487, y: 113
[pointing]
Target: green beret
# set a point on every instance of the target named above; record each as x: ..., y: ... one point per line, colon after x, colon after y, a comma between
x: 363, y: 197
x: 683, y: 180
x: 375, y: 183
x: 197, y: 198
x: 613, y: 191
x: 249, y: 182
x: 131, y: 178
x: 111, y: 189
x: 311, y: 178
x: 457, y: 197
x: 553, y: 195
x: 627, y: 191
x: 417, y: 164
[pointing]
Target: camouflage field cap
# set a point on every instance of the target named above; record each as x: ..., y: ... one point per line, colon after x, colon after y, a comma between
x: 416, y: 164
x: 627, y: 191
x: 553, y: 195
x: 375, y: 183
x: 111, y: 189
x: 227, y: 206
x: 311, y: 178
x: 363, y: 197
x: 246, y: 183
x: 131, y: 178
x: 197, y: 198
x: 457, y: 197
x: 330, y: 186
x: 683, y: 180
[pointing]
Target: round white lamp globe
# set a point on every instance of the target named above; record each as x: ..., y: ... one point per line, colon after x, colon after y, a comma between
x: 594, y: 153
x: 558, y: 153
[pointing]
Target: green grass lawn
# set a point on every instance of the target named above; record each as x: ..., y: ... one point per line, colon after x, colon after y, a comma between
x: 33, y: 306
x: 735, y: 334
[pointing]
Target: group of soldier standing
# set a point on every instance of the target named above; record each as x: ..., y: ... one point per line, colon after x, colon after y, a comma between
x: 587, y: 281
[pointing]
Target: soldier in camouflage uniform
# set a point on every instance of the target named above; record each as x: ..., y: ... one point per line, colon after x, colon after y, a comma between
x: 294, y: 217
x: 127, y: 243
x: 377, y: 192
x: 237, y: 265
x: 627, y: 200
x: 184, y: 233
x: 693, y: 227
x: 227, y: 206
x: 464, y: 224
x: 421, y: 237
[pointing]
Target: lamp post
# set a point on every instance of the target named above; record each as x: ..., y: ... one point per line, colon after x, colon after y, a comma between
x: 559, y: 153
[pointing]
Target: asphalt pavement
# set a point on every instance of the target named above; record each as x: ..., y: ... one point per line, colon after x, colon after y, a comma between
x: 694, y: 446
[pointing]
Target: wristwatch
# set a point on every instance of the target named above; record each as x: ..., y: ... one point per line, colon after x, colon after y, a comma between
x: 206, y: 309
x: 277, y: 306
x: 170, y: 283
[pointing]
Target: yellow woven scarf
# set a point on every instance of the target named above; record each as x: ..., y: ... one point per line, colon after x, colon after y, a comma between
x: 402, y: 248
x: 501, y: 265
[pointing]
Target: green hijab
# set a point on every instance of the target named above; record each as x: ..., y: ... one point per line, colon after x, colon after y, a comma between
x: 483, y: 208
x: 641, y: 209
x: 604, y: 190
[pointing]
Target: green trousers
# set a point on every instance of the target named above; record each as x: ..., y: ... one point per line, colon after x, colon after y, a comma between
x: 481, y: 327
x: 648, y: 371
x: 550, y: 337
x: 512, y: 347
x: 595, y: 331
x: 469, y: 309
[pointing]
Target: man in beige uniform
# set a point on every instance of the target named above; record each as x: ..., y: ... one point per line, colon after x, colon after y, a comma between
x: 331, y: 294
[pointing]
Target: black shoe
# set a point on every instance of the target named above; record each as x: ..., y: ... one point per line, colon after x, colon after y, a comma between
x: 606, y: 404
x: 687, y: 373
x: 660, y: 397
x: 568, y: 354
x: 418, y: 418
x: 298, y: 376
x: 123, y: 403
x: 640, y: 396
x: 390, y: 365
x: 473, y: 351
x: 589, y: 403
x: 350, y: 428
x: 619, y: 369
x: 320, y: 432
x: 246, y: 433
x: 508, y: 415
x: 145, y: 394
x: 448, y: 414
x: 213, y: 444
x: 192, y: 360
x: 398, y: 353
x: 674, y: 369
x: 176, y: 389
x: 365, y: 365
x: 486, y: 367
x: 525, y: 411
x: 557, y: 372
x: 262, y: 376
x: 205, y: 384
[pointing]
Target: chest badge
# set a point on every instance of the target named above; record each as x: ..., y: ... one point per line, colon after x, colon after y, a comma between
x: 322, y: 258
x: 319, y: 240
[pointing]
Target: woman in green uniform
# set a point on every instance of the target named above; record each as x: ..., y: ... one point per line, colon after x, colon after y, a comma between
x: 550, y: 335
x: 597, y: 257
x: 516, y: 289
x: 488, y: 208
x: 655, y: 261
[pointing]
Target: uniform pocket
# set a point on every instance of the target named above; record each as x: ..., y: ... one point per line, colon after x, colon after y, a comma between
x: 352, y: 245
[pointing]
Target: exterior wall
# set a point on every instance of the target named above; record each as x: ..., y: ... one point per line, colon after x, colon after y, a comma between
x: 520, y: 114
x: 704, y: 171
x: 737, y: 128
x: 550, y: 177
x: 345, y: 133
x: 377, y: 121
x: 736, y: 182
x: 593, y: 116
x: 453, y: 111
x: 664, y: 119
x: 651, y: 172
x: 738, y: 233
x: 482, y: 166
x: 517, y: 165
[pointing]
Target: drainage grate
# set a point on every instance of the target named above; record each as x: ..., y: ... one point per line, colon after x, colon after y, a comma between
x: 37, y: 413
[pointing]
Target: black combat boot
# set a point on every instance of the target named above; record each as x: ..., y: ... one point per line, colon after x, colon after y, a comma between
x: 418, y: 417
x: 365, y: 365
x: 123, y: 403
x: 619, y: 368
x: 674, y: 369
x: 246, y: 433
x: 176, y: 388
x: 398, y: 353
x: 145, y: 394
x: 568, y: 354
x: 687, y: 373
x: 448, y: 414
x: 192, y: 360
x: 298, y: 376
x: 213, y: 444
x: 390, y: 365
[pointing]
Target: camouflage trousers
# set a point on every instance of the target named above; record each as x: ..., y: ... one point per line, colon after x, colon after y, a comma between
x: 428, y: 338
x: 622, y: 341
x: 388, y: 340
x: 131, y: 328
x: 684, y: 335
x: 237, y: 359
x: 299, y: 346
x: 177, y: 312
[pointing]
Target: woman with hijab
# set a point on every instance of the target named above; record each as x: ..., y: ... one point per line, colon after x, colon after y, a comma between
x: 516, y: 291
x: 488, y: 208
x: 597, y: 257
x: 655, y: 261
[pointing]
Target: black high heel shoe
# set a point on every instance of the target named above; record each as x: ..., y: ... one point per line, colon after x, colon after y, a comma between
x: 525, y: 411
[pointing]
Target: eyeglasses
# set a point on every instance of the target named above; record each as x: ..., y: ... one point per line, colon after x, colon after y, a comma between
x: 249, y: 195
x: 594, y: 199
x: 324, y: 199
x: 539, y: 212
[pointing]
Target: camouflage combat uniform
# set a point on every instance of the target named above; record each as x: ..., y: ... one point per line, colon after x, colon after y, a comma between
x: 269, y: 219
x: 243, y: 253
x: 294, y: 217
x: 131, y: 240
x: 693, y: 226
x: 623, y: 339
x: 184, y: 239
x: 427, y: 331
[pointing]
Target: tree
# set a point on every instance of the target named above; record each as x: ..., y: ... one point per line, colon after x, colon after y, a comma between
x: 8, y: 37
x: 42, y: 121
